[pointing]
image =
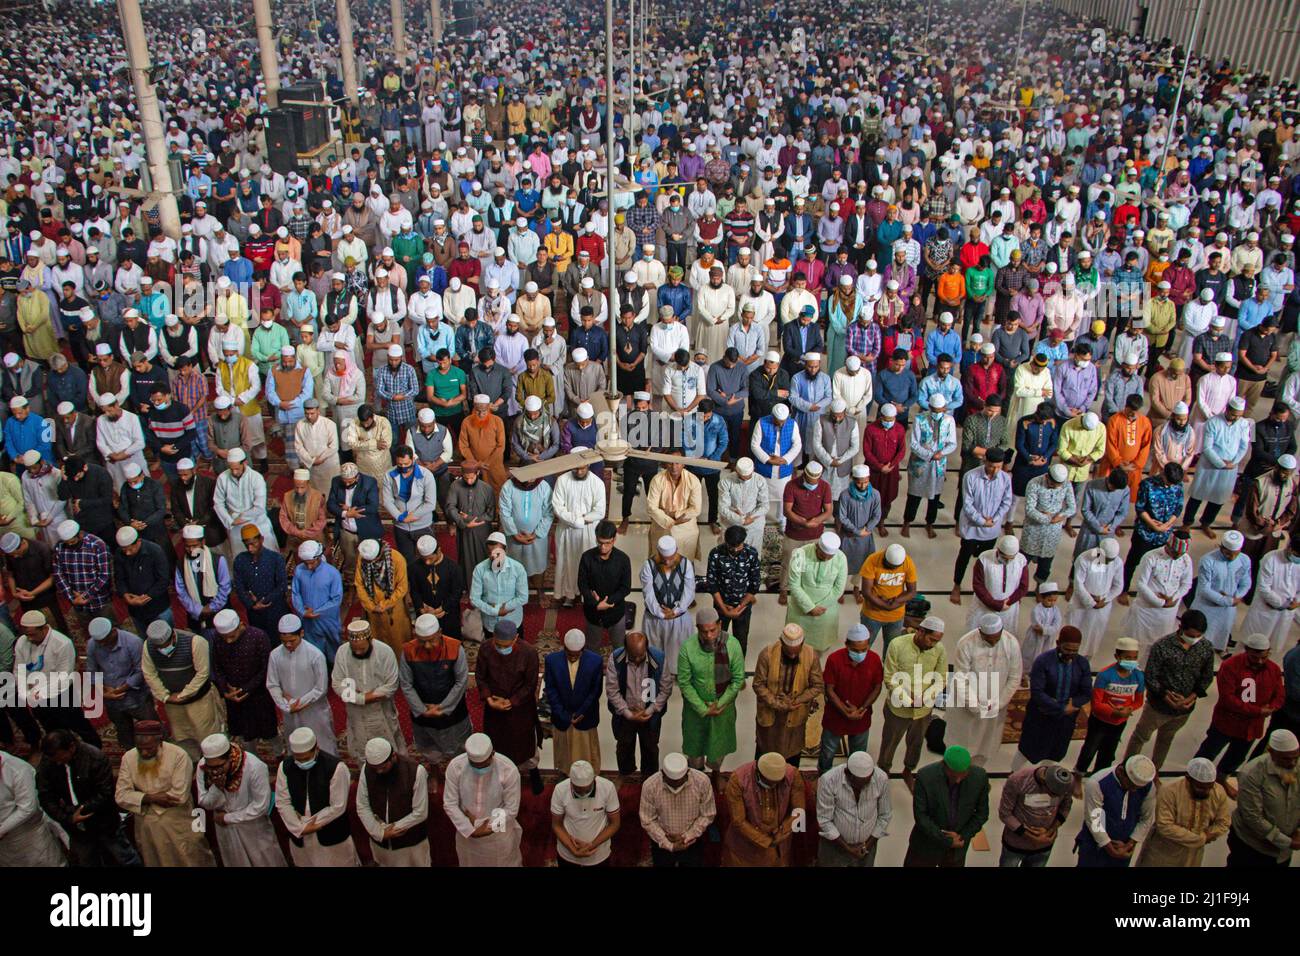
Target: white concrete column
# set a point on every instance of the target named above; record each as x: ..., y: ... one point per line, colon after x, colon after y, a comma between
x: 266, y: 50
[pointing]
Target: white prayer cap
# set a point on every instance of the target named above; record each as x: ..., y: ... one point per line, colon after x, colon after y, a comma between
x: 478, y: 746
x: 236, y: 455
x: 780, y: 412
x: 159, y: 633
x: 426, y: 545
x: 792, y: 635
x: 425, y: 416
x: 496, y: 537
x: 529, y: 287
x: 1058, y: 472
x: 30, y: 458
x: 132, y: 469
x: 1237, y: 403
x: 309, y: 550
x: 574, y: 639
x: 99, y: 628
x: 675, y: 766
x: 1233, y: 540
x: 302, y: 740
x: 339, y: 277
x: 938, y: 402
x: 990, y: 624
x: 745, y: 467
x: 192, y: 532
x: 220, y: 402
x: 223, y: 282
x: 1287, y: 462
x: 394, y: 351
x: 667, y: 545
x: 1009, y: 545
x: 287, y: 350
x: 381, y: 273
x: 377, y: 751
x: 584, y: 409
x: 548, y: 322
x: 945, y: 318
x: 772, y: 356
x: 1181, y: 409
x: 290, y: 624
x: 588, y: 283
x: 67, y: 530
x: 1110, y: 548
x: 861, y: 765
x: 103, y: 348
x: 1091, y: 421
x: 426, y: 625
x: 1222, y: 357
x: 1283, y: 741
x: 581, y: 774
x: 215, y: 745
x: 368, y: 549
x: 533, y: 404
x: 812, y: 356
x: 1257, y: 642
x: 1140, y: 769
x: 847, y: 279
x: 641, y: 396
x: 18, y: 401
x: 481, y: 399
x: 933, y: 623
x: 10, y: 542
x: 829, y: 543
x: 838, y: 405
x: 861, y: 471
x: 126, y: 536
x: 65, y: 408
x: 1202, y: 770
x: 813, y: 468
x: 185, y: 464
x: 301, y: 474
x: 225, y: 621
x: 853, y: 363
x: 580, y: 355
x: 888, y: 410
x: 895, y: 555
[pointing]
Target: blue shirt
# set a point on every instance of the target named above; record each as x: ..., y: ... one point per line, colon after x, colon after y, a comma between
x: 32, y: 432
x: 120, y: 666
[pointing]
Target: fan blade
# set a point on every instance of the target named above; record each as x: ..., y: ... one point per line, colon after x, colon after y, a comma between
x: 555, y: 466
x: 688, y: 462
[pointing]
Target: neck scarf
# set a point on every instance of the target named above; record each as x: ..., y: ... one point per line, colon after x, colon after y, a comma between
x: 377, y: 575
x: 230, y: 778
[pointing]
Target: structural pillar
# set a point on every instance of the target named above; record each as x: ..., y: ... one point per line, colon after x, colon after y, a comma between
x: 612, y: 285
x: 347, y: 51
x: 160, y: 174
x: 266, y: 49
x: 399, y: 32
x: 435, y: 20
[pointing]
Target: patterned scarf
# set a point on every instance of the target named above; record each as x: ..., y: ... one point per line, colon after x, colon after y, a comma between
x: 377, y: 575
x: 533, y: 432
x: 233, y: 774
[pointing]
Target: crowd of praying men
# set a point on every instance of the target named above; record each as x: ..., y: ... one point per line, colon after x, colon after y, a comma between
x: 799, y: 226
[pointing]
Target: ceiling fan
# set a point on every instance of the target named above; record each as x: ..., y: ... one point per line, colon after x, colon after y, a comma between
x: 611, y: 448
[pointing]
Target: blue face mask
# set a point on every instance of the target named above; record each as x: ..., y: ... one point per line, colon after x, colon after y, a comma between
x: 887, y: 425
x: 480, y: 769
x: 810, y: 485
x: 167, y: 651
x: 1126, y: 665
x: 505, y: 650
x: 161, y: 405
x: 857, y: 657
x: 137, y: 485
x: 305, y: 764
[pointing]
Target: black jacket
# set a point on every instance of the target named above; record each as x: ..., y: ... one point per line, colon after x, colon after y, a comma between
x: 94, y: 783
x: 93, y: 494
x: 214, y: 532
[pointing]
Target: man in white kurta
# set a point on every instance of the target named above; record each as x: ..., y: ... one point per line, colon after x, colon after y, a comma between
x: 481, y: 798
x: 239, y: 498
x: 666, y: 337
x: 27, y: 835
x: 316, y: 439
x: 525, y: 512
x: 153, y: 785
x: 384, y: 824
x: 119, y: 438
x: 853, y: 385
x: 1098, y: 581
x: 578, y: 503
x: 715, y: 304
x: 1000, y: 572
x: 742, y: 500
x: 304, y: 826
x: 365, y: 678
x: 1161, y: 579
x: 234, y: 785
x: 40, y: 484
x: 297, y: 679
x: 1275, y: 608
x: 986, y: 673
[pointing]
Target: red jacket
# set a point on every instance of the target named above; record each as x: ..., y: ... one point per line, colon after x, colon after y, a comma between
x: 883, y: 446
x: 1243, y: 693
x: 982, y: 382
x: 1182, y: 284
x: 594, y: 245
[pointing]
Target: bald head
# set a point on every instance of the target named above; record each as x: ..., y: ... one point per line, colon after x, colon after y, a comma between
x: 635, y: 644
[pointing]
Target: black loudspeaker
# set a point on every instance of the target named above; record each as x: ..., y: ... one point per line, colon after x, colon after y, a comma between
x: 307, y: 90
x: 281, y: 140
x: 310, y: 126
x: 466, y: 19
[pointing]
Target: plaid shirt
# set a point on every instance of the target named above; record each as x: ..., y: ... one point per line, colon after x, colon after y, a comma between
x: 192, y: 392
x: 686, y: 813
x: 399, y: 381
x: 862, y: 340
x: 938, y: 206
x: 83, y: 569
x: 644, y: 221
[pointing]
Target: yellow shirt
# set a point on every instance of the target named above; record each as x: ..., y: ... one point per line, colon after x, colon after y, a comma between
x: 887, y: 583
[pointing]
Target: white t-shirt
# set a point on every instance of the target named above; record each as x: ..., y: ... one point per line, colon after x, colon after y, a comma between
x: 585, y: 817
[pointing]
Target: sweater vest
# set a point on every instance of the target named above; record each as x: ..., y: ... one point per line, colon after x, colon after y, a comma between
x: 175, y: 670
x: 391, y: 795
x: 315, y: 783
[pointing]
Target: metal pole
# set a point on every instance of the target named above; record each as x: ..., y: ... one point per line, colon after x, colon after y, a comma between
x: 1178, y: 98
x: 399, y: 31
x: 612, y: 284
x: 160, y: 174
x: 343, y: 13
x: 1020, y: 38
x: 631, y: 84
x: 266, y: 48
x: 435, y: 21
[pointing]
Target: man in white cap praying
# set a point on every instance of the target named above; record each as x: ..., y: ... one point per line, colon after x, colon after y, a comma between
x: 931, y: 439
x: 986, y: 674
x: 915, y: 673
x: 835, y: 440
x: 119, y: 438
x: 743, y: 502
x: 1266, y: 820
x: 177, y: 670
x: 776, y: 446
x: 578, y: 504
x: 393, y: 806
x: 316, y: 440
x: 1119, y: 809
x: 1000, y: 582
x: 297, y: 677
x: 40, y: 483
x: 434, y: 675
x: 584, y: 816
x: 316, y: 595
x: 481, y: 798
x: 365, y: 677
x: 239, y: 498
x: 234, y: 787
x: 787, y: 683
x: 853, y: 812
x: 311, y: 797
x: 1225, y: 446
x: 677, y: 807
x: 668, y: 589
x: 1098, y: 580
x: 573, y: 681
x: 238, y: 380
x: 202, y: 580
x: 1191, y: 813
x: 1223, y: 579
x: 289, y: 384
x: 818, y: 573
